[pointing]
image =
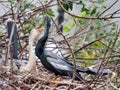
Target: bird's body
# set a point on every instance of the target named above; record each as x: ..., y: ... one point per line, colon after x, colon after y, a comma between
x: 56, y: 64
x: 31, y: 63
x: 10, y: 26
x: 60, y: 18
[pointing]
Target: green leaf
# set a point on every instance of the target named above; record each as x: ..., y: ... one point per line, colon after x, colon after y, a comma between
x: 68, y: 5
x: 83, y: 14
x: 1, y: 32
x: 80, y: 2
x: 50, y: 12
x: 71, y: 24
x: 104, y: 7
x: 65, y: 28
x: 85, y: 9
x: 10, y: 1
x: 93, y: 11
x: 87, y: 54
x: 97, y: 44
x: 26, y: 5
x: 100, y: 1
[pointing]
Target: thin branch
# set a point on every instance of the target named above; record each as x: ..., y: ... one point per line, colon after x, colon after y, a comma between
x: 108, y: 8
x: 87, y: 45
x: 58, y: 82
x: 73, y: 56
x: 15, y: 20
x: 100, y: 18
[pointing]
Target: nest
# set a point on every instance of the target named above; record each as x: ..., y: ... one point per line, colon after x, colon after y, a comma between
x: 12, y: 80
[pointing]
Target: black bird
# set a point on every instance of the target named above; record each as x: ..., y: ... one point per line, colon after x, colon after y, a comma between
x: 14, y: 41
x: 60, y: 18
x: 56, y: 64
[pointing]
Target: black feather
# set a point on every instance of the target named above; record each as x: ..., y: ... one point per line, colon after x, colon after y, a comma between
x: 54, y: 63
x: 14, y: 38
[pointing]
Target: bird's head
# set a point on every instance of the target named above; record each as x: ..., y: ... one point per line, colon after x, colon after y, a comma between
x: 36, y: 31
x: 39, y: 27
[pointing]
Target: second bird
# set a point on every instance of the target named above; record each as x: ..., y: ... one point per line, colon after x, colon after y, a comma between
x: 56, y: 64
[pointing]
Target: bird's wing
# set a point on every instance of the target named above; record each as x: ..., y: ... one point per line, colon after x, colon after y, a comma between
x: 53, y: 55
x: 58, y: 62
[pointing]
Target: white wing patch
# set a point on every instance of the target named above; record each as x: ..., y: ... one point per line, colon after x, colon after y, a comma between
x: 56, y: 64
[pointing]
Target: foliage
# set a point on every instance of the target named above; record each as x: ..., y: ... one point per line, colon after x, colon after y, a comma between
x: 68, y: 26
x: 26, y: 6
x: 92, y: 24
x: 67, y: 5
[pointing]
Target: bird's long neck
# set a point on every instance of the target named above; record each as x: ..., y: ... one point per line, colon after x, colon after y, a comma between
x: 44, y: 38
x: 41, y: 42
x: 31, y: 65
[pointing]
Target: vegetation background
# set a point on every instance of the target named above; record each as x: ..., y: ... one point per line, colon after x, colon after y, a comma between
x: 90, y: 36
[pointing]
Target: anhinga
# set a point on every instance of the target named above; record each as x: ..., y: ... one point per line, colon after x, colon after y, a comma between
x: 60, y: 18
x: 31, y: 65
x: 56, y: 64
x: 14, y: 43
x: 14, y: 38
x: 52, y: 45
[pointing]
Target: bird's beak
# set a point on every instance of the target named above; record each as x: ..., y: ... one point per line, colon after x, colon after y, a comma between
x: 40, y: 28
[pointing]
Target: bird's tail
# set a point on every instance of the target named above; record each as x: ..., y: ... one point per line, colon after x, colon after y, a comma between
x: 79, y: 77
x: 90, y: 70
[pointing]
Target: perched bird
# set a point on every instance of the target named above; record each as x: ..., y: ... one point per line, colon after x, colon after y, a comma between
x: 14, y: 41
x: 60, y: 18
x: 52, y: 45
x: 31, y: 65
x: 56, y: 64
x: 24, y: 65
